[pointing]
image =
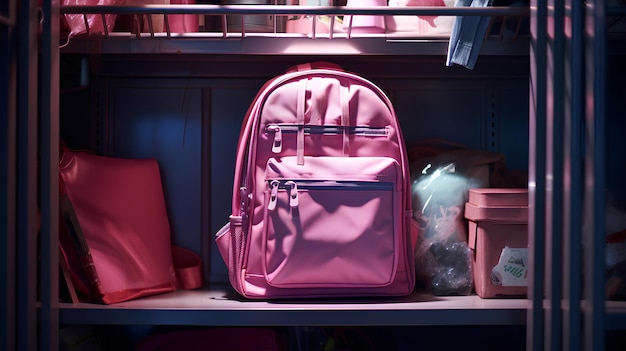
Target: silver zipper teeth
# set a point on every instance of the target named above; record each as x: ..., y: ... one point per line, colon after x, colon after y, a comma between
x: 336, y: 185
x: 331, y: 130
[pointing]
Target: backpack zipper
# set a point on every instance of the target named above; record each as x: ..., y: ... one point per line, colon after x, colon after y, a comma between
x: 292, y: 187
x: 279, y: 129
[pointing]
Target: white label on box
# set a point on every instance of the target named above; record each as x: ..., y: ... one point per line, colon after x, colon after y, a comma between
x: 512, y: 268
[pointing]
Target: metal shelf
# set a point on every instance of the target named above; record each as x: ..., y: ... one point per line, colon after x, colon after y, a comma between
x: 221, y: 307
x: 283, y: 45
x: 501, y: 39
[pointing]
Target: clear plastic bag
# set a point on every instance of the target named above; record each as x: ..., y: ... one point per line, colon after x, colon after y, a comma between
x: 443, y: 257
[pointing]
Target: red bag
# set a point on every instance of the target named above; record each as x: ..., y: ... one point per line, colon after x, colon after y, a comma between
x: 114, y: 215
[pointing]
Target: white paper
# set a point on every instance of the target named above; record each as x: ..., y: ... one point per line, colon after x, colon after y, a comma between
x: 512, y: 268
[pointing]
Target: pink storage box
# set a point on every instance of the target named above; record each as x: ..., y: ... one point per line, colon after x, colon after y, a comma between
x: 498, y: 237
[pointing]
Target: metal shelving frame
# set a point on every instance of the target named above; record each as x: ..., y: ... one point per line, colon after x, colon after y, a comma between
x: 556, y: 309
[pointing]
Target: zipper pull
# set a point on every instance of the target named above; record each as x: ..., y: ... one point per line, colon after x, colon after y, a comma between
x: 293, y: 193
x: 273, y: 195
x: 277, y: 145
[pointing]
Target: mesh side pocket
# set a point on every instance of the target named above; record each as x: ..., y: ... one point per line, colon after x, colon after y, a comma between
x: 235, y: 260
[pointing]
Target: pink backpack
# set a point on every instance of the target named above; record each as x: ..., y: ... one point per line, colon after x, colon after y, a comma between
x: 321, y: 197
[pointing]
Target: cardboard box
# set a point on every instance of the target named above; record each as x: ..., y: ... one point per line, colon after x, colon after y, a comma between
x: 498, y: 237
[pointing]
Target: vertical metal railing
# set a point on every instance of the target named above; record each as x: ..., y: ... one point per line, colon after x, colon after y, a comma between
x: 573, y: 184
x: 26, y: 178
x: 555, y: 55
x: 594, y: 199
x: 8, y: 150
x: 536, y: 172
x: 48, y: 181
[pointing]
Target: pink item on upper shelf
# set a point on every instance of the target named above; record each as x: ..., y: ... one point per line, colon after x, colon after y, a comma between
x: 313, y: 25
x: 364, y: 23
x: 183, y: 23
x: 420, y: 25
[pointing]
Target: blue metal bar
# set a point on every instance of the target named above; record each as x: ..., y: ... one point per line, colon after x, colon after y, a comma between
x: 595, y: 169
x: 49, y: 184
x: 8, y: 150
x: 573, y: 177
x: 26, y: 226
x: 536, y: 175
x: 554, y: 175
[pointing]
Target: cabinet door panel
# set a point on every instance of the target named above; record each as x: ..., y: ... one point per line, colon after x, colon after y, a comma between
x: 163, y: 120
x: 509, y: 121
x: 440, y: 109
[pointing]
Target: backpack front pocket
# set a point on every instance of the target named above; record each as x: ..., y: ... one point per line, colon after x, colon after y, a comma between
x: 334, y: 221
